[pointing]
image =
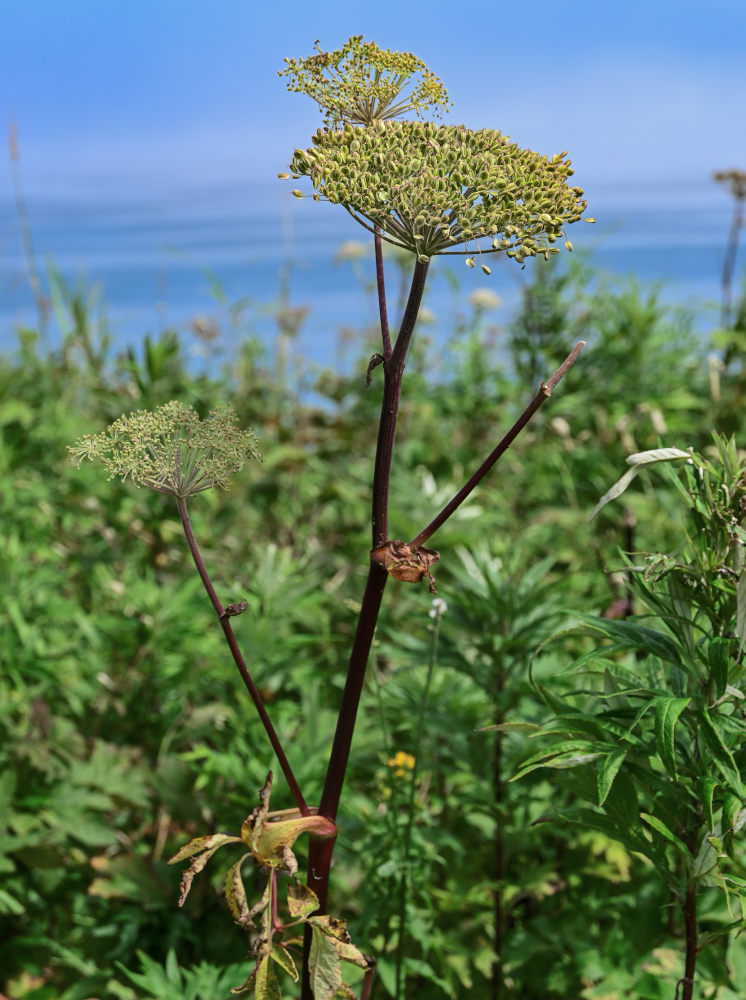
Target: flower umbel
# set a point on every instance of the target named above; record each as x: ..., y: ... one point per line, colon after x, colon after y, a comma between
x: 431, y: 189
x: 361, y: 83
x: 170, y: 449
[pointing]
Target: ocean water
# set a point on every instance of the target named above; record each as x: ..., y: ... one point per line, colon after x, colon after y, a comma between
x: 166, y: 258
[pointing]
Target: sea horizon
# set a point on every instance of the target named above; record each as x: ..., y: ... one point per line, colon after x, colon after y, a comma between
x: 169, y: 257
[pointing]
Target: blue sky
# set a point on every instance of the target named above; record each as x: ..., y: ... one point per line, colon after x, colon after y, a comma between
x: 648, y: 97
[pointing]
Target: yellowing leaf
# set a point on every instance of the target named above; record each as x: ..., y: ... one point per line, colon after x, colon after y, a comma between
x: 302, y: 901
x: 235, y: 893
x: 267, y: 987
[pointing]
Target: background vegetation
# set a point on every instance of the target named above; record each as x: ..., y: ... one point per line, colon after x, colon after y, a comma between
x: 124, y: 732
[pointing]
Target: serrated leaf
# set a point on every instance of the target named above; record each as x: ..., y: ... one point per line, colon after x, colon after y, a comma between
x: 199, y: 844
x: 664, y: 831
x: 235, y: 893
x: 302, y: 901
x: 345, y: 992
x: 336, y: 930
x: 267, y: 987
x: 208, y: 846
x: 284, y: 959
x: 247, y: 985
x: 608, y: 771
x: 667, y: 712
x: 324, y: 965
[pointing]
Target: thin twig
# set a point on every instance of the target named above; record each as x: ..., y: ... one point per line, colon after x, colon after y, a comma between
x: 243, y: 670
x: 539, y: 399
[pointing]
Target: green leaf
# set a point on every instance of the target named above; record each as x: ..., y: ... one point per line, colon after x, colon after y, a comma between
x: 325, y: 966
x: 631, y: 635
x: 667, y: 712
x: 608, y: 771
x: 267, y: 986
x: 741, y: 612
x: 705, y: 862
x: 718, y: 656
x: 721, y: 754
x: 637, y: 461
x: 284, y: 959
x: 664, y: 831
x: 615, y: 491
x: 510, y: 727
x: 621, y: 802
x: 568, y: 753
x: 732, y: 820
x: 707, y: 787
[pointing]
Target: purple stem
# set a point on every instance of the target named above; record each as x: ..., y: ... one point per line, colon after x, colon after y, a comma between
x: 243, y: 670
x: 545, y: 391
x: 385, y: 337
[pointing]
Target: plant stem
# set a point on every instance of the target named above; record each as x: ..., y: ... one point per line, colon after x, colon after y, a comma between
x: 320, y: 851
x: 243, y: 670
x: 545, y: 391
x: 381, y: 285
x: 393, y: 370
x: 690, y: 932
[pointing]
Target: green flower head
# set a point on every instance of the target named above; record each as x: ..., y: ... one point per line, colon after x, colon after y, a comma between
x: 360, y: 83
x: 171, y: 450
x: 431, y: 189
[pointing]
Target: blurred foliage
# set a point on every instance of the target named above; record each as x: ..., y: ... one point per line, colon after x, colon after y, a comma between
x: 124, y: 732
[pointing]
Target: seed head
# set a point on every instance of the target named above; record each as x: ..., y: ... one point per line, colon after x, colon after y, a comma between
x: 431, y: 189
x: 171, y: 450
x: 361, y: 83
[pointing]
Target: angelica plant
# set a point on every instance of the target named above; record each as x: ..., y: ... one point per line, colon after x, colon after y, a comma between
x: 431, y: 190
